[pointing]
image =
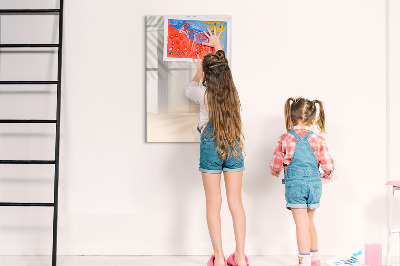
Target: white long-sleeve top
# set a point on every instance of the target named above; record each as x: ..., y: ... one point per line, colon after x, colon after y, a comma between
x: 196, y: 92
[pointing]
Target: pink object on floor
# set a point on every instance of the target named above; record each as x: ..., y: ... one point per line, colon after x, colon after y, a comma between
x: 231, y: 260
x: 373, y: 254
x: 393, y: 183
x: 211, y: 260
x: 333, y: 178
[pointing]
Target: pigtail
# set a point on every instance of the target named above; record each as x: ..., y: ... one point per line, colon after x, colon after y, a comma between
x: 321, y: 116
x: 288, y: 114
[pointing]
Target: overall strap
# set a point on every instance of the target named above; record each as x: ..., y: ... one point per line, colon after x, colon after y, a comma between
x: 309, y: 133
x: 294, y: 133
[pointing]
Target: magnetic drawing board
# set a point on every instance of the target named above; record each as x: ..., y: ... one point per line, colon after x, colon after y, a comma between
x: 183, y: 36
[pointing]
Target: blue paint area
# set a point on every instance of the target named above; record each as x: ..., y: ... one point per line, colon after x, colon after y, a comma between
x: 197, y: 26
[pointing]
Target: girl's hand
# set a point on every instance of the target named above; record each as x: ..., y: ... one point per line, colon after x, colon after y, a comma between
x: 198, y: 64
x: 213, y: 39
x: 199, y: 73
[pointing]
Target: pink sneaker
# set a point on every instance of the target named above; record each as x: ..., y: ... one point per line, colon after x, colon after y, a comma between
x: 211, y: 261
x: 231, y: 260
x: 316, y: 263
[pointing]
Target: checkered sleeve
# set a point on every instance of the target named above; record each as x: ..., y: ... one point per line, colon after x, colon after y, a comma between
x: 278, y: 157
x: 326, y: 162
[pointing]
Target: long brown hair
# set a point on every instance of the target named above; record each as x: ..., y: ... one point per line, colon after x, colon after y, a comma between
x: 303, y: 110
x: 223, y: 104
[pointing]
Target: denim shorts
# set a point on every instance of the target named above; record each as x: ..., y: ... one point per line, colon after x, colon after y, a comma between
x: 303, y: 193
x: 210, y: 160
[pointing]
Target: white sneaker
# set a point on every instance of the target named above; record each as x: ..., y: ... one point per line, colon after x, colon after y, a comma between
x: 304, y: 260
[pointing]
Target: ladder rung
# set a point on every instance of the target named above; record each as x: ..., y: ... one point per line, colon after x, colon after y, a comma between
x: 33, y: 45
x: 28, y: 11
x: 29, y: 82
x: 30, y: 204
x: 27, y: 121
x: 27, y: 161
x: 395, y: 231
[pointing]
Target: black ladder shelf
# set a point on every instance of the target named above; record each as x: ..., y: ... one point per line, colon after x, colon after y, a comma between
x: 57, y: 82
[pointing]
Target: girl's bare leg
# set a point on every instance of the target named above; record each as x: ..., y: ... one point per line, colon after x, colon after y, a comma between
x: 302, y: 221
x: 313, y: 230
x: 212, y: 188
x: 233, y: 183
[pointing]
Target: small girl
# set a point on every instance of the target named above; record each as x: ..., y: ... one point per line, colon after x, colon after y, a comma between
x: 221, y: 147
x: 302, y: 152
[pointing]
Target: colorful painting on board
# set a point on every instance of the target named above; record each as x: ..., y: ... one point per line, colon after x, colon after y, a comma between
x: 183, y: 36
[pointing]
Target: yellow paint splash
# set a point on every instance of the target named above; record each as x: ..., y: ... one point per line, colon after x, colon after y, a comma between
x: 216, y: 25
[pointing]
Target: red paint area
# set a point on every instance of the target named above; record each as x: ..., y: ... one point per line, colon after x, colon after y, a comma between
x: 181, y: 46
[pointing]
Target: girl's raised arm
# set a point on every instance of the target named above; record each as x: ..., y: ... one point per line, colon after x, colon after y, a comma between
x: 213, y: 39
x: 199, y: 72
x: 194, y: 91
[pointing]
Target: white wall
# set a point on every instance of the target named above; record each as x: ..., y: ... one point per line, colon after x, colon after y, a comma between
x: 394, y: 110
x: 121, y: 195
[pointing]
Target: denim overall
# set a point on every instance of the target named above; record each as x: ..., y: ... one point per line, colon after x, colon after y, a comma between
x: 211, y: 162
x: 302, y: 181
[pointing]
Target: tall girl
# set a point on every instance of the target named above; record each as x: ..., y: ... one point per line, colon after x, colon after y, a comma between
x: 221, y: 147
x: 302, y: 153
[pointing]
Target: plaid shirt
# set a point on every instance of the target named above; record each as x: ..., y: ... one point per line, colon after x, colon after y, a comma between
x: 287, y: 144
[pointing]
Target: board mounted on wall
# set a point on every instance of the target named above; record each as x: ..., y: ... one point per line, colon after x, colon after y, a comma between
x: 170, y: 115
x: 183, y: 36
